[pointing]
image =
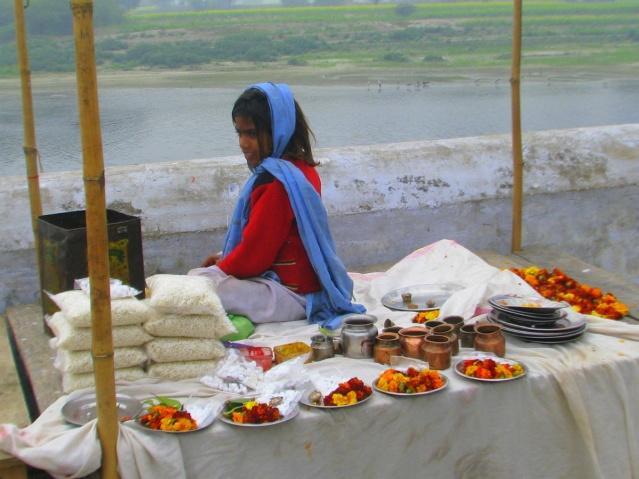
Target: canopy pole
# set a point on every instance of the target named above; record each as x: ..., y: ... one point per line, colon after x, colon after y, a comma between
x: 516, y: 129
x: 97, y: 238
x: 29, y: 147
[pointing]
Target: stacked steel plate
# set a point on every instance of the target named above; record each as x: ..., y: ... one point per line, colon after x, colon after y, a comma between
x: 536, y: 320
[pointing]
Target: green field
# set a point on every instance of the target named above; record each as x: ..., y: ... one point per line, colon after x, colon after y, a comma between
x: 444, y: 36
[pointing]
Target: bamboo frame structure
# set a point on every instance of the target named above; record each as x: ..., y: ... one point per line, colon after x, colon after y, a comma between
x: 29, y: 147
x: 97, y: 238
x: 516, y: 130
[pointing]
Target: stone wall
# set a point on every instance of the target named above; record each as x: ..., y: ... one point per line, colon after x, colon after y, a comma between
x: 581, y: 196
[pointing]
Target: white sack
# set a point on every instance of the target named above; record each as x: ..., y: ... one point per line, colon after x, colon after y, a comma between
x: 76, y: 307
x: 81, y: 361
x: 73, y: 382
x: 177, y: 371
x: 79, y: 339
x: 182, y: 294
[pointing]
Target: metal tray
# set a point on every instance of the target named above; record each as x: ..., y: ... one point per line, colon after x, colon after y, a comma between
x: 424, y: 297
x: 526, y: 304
x: 84, y: 408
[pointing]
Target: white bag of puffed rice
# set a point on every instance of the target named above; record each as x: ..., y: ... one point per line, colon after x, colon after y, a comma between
x: 177, y: 371
x: 72, y: 381
x: 81, y: 362
x: 165, y: 350
x: 76, y: 307
x: 79, y: 339
x: 189, y: 326
x: 183, y: 294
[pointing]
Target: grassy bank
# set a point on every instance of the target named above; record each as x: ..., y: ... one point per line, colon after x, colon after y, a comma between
x: 431, y: 36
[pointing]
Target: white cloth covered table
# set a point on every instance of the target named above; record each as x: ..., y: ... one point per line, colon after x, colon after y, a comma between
x: 574, y: 415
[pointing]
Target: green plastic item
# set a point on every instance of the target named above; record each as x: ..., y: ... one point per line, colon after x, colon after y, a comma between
x: 244, y: 328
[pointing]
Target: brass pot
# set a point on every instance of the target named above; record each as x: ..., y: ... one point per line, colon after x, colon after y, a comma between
x: 448, y: 330
x: 437, y: 351
x: 387, y: 345
x: 490, y: 339
x: 411, y: 340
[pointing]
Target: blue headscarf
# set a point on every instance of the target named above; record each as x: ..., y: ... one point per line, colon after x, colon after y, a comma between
x: 328, y: 305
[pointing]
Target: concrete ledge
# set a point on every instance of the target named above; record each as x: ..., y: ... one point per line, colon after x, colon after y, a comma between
x: 581, y: 188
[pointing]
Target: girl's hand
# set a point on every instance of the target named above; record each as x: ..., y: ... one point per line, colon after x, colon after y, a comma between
x: 211, y: 260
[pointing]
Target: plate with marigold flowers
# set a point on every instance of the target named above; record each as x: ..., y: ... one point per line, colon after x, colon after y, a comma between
x: 347, y: 393
x: 249, y: 412
x: 163, y: 414
x: 411, y: 382
x: 490, y: 369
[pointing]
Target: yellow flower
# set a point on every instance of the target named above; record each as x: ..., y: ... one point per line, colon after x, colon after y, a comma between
x: 470, y: 370
x: 501, y: 371
x: 341, y: 400
x: 249, y: 405
x: 532, y: 270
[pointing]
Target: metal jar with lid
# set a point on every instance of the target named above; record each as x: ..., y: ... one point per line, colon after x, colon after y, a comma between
x: 321, y: 347
x: 358, y: 335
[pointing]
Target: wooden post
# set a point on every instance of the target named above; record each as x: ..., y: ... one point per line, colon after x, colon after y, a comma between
x: 97, y: 239
x: 29, y: 147
x: 516, y: 129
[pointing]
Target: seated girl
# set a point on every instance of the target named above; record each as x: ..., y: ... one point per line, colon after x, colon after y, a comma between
x: 279, y: 261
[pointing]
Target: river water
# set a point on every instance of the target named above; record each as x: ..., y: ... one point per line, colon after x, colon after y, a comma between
x: 148, y: 125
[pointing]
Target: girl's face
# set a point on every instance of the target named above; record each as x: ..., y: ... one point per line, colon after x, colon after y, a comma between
x: 255, y: 145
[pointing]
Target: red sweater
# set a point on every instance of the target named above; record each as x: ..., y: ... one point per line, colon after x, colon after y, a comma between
x: 270, y: 240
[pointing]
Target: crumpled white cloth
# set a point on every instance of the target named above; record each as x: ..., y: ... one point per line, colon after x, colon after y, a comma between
x: 576, y: 414
x: 67, y: 451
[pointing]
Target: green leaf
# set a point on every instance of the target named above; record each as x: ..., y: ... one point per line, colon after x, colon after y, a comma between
x: 164, y: 401
x: 233, y: 406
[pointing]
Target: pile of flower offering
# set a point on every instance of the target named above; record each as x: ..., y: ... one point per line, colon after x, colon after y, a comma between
x: 350, y: 392
x: 489, y: 369
x: 424, y: 316
x: 411, y: 382
x: 166, y: 414
x: 252, y: 412
x: 558, y: 286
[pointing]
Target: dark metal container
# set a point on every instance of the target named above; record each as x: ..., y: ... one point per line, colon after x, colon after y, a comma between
x: 63, y: 252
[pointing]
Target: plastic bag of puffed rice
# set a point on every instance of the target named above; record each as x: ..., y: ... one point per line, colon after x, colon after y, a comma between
x: 81, y: 361
x: 177, y: 371
x: 76, y: 307
x: 183, y: 294
x: 79, y: 339
x: 165, y: 350
x: 72, y: 381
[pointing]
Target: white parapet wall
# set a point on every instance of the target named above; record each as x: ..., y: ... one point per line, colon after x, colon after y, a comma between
x: 581, y: 196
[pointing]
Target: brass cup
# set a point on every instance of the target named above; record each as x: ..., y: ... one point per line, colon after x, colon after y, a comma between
x: 437, y: 351
x: 411, y: 340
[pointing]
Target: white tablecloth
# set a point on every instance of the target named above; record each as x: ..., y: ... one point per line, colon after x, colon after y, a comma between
x: 574, y: 415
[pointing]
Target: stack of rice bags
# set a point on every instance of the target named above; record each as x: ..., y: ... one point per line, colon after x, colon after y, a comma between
x: 188, y: 321
x: 72, y: 329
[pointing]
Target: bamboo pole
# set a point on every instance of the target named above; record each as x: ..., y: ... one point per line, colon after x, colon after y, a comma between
x: 516, y: 129
x: 29, y: 147
x: 96, y: 225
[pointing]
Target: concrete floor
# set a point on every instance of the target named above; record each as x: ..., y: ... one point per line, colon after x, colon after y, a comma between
x: 13, y: 409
